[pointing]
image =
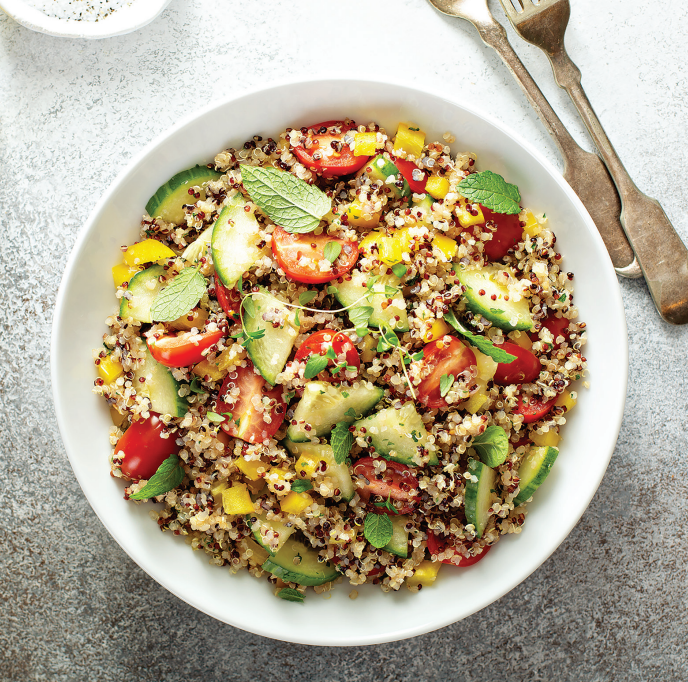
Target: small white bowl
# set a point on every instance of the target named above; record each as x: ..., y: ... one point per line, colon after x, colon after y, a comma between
x: 86, y: 298
x: 124, y: 20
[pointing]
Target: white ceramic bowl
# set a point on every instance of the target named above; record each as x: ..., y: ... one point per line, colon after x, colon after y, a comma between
x: 123, y: 20
x: 86, y: 297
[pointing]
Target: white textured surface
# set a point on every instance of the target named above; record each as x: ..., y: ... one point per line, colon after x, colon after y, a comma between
x: 610, y: 604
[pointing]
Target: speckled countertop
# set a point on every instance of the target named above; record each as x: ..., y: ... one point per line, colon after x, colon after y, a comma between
x: 610, y: 604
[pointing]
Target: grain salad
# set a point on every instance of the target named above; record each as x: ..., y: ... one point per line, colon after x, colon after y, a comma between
x: 342, y: 353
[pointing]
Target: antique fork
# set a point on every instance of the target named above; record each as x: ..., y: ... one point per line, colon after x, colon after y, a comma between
x: 662, y: 255
x: 584, y: 171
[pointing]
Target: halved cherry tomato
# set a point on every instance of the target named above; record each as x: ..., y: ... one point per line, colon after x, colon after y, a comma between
x: 523, y: 370
x: 559, y: 326
x: 506, y: 236
x: 406, y: 168
x: 144, y: 448
x: 320, y: 342
x: 398, y: 482
x: 437, y: 546
x: 332, y: 161
x: 289, y: 249
x: 536, y: 408
x: 454, y: 358
x: 182, y: 350
x: 252, y: 425
x: 229, y: 299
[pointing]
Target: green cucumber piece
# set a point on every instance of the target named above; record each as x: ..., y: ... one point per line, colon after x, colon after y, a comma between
x: 478, y: 497
x: 399, y: 435
x: 306, y: 571
x: 350, y: 291
x: 321, y: 452
x: 167, y: 203
x: 507, y: 315
x: 380, y: 169
x: 271, y: 352
x: 426, y: 204
x: 144, y: 287
x: 261, y: 526
x: 323, y: 406
x: 235, y: 241
x: 161, y: 387
x: 399, y: 543
x: 198, y: 247
x: 533, y: 471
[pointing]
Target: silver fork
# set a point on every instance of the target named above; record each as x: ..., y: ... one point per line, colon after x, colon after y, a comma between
x: 584, y: 171
x: 662, y: 255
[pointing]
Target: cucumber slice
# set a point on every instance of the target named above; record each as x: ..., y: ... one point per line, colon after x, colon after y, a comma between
x: 350, y: 291
x: 271, y: 352
x: 323, y: 406
x: 534, y: 470
x: 478, y: 498
x: 381, y: 169
x: 507, y: 315
x: 399, y: 543
x: 426, y: 204
x: 321, y: 452
x: 144, y: 287
x: 271, y: 535
x: 399, y: 435
x: 161, y: 387
x: 297, y: 563
x: 235, y: 241
x: 168, y: 201
x: 198, y: 247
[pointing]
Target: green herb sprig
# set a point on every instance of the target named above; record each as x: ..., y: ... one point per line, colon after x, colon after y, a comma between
x: 169, y: 475
x: 492, y: 191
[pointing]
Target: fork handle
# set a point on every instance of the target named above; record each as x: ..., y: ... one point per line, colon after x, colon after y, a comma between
x: 662, y: 255
x: 583, y: 170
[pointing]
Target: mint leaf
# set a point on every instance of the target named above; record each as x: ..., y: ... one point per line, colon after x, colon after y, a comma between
x: 332, y: 290
x: 378, y: 529
x: 289, y: 202
x: 360, y: 315
x: 315, y: 365
x: 492, y: 191
x: 388, y: 339
x: 351, y: 413
x: 300, y: 486
x: 387, y: 504
x: 341, y: 441
x: 446, y: 381
x: 195, y: 386
x: 307, y: 296
x: 179, y: 296
x: 399, y: 270
x: 288, y: 397
x: 290, y: 594
x: 168, y: 476
x: 332, y: 251
x: 249, y: 306
x: 492, y: 446
x: 214, y: 417
x: 482, y: 343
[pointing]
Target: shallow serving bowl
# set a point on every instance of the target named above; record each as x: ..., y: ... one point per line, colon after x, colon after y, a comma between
x: 86, y: 298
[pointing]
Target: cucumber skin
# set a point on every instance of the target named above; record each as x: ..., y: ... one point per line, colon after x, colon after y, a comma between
x: 257, y: 535
x: 396, y: 545
x: 300, y: 579
x: 313, y: 572
x: 162, y: 374
x: 389, y: 169
x: 536, y: 481
x: 140, y: 277
x: 471, y: 501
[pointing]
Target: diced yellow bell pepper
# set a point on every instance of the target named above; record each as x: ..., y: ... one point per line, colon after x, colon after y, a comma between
x: 532, y: 228
x: 389, y: 249
x: 467, y: 219
x: 365, y: 144
x: 295, y: 503
x: 437, y: 187
x: 446, y: 245
x: 217, y: 490
x: 475, y: 402
x: 487, y: 367
x: 147, y: 251
x: 409, y: 138
x: 123, y: 273
x: 406, y: 240
x: 251, y: 468
x: 368, y: 348
x: 358, y: 216
x: 306, y: 464
x: 566, y: 400
x: 259, y: 554
x: 551, y: 438
x: 522, y: 340
x: 109, y: 369
x: 205, y: 368
x: 438, y: 329
x: 236, y: 500
x: 425, y: 574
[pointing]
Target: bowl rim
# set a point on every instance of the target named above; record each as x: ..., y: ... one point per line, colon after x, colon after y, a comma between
x: 401, y: 631
x: 141, y: 14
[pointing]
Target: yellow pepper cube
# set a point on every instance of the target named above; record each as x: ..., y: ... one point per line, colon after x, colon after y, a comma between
x: 236, y: 500
x: 532, y: 227
x: 466, y: 218
x: 306, y: 464
x: 109, y: 369
x: 425, y: 574
x: 410, y: 139
x: 566, y: 400
x: 123, y: 273
x: 438, y: 329
x: 437, y: 187
x: 205, y: 368
x: 406, y: 240
x: 295, y: 503
x: 251, y: 468
x: 475, y: 402
x: 217, y: 490
x: 446, y: 245
x: 487, y: 367
x: 147, y: 251
x: 362, y: 214
x: 522, y: 340
x: 550, y: 438
x: 365, y: 144
x: 390, y: 251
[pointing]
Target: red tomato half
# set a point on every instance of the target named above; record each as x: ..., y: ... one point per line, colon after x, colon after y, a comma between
x: 182, y: 350
x: 290, y: 248
x: 406, y: 168
x: 436, y: 546
x: 252, y: 426
x: 144, y: 448
x: 398, y: 482
x: 506, y: 236
x: 442, y: 358
x: 229, y: 299
x: 535, y: 409
x: 523, y: 370
x: 559, y: 326
x: 320, y: 342
x: 342, y: 162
